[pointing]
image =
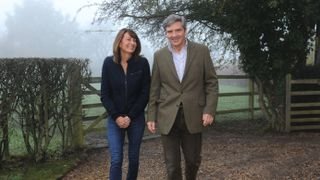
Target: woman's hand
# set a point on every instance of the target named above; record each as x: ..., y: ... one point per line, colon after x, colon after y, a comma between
x: 123, y: 122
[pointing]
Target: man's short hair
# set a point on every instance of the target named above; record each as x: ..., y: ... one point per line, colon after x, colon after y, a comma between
x: 172, y: 19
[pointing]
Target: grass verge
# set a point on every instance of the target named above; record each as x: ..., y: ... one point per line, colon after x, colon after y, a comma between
x: 24, y: 170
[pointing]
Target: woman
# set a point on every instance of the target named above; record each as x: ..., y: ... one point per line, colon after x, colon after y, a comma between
x: 124, y: 93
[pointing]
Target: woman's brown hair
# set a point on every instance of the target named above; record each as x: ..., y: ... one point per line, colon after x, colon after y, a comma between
x: 116, y: 43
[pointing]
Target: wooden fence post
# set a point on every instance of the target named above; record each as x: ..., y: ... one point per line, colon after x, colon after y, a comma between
x: 76, y: 96
x: 5, y: 110
x: 5, y: 138
x: 251, y: 99
x: 288, y: 102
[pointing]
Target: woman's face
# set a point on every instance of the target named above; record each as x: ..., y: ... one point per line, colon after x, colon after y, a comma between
x: 128, y: 44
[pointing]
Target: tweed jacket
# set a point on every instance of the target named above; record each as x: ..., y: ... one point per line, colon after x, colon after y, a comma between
x: 197, y: 92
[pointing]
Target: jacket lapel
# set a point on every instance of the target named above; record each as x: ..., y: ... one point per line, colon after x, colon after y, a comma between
x: 190, y: 54
x: 168, y: 57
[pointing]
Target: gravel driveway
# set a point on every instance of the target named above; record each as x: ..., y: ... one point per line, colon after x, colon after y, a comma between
x: 234, y: 150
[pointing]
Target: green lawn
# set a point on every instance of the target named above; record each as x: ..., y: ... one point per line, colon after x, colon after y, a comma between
x: 50, y: 170
x: 28, y: 170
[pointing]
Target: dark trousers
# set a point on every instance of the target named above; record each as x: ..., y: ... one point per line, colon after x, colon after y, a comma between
x: 179, y: 137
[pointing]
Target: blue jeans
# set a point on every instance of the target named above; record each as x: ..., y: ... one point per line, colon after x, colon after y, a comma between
x: 116, y: 137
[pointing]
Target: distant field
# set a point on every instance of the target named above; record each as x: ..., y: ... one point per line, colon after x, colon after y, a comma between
x: 224, y: 103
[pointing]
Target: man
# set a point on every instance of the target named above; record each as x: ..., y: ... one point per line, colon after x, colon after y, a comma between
x: 183, y: 98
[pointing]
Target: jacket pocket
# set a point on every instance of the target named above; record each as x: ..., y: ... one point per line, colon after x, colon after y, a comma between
x: 135, y: 73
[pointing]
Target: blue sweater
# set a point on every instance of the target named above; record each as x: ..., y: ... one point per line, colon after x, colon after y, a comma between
x: 125, y: 94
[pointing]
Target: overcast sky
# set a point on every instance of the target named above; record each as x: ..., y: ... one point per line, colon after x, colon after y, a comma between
x: 84, y: 18
x: 67, y: 7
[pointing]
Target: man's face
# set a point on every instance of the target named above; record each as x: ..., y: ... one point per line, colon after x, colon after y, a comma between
x: 176, y: 35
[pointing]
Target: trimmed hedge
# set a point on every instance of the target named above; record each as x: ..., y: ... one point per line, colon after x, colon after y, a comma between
x: 43, y: 98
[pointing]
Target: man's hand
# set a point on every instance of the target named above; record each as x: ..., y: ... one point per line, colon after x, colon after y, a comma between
x: 151, y: 126
x: 207, y: 119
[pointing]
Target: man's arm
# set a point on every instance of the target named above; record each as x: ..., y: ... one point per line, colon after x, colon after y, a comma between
x: 154, y: 96
x: 211, y: 85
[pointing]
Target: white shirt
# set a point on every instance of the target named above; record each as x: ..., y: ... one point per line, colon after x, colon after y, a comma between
x: 179, y: 59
